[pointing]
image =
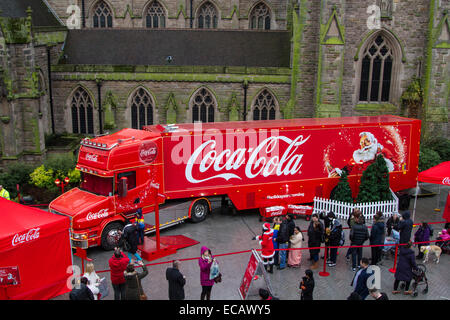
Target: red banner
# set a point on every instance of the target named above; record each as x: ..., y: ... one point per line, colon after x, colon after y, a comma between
x: 248, y: 276
x: 446, y: 215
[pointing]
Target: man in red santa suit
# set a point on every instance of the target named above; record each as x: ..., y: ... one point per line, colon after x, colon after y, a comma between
x: 267, y: 250
x: 364, y: 156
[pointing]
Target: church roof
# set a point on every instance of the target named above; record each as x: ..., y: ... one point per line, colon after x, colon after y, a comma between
x: 41, y: 15
x: 185, y: 46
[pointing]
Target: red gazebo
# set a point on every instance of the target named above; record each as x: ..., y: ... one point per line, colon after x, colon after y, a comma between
x: 439, y: 174
x: 35, y: 252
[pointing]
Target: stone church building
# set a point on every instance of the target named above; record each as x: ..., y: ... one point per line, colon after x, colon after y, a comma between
x: 89, y: 67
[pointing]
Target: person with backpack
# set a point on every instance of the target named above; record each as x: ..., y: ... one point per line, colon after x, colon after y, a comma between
x: 334, y: 240
x: 129, y: 240
x: 377, y: 237
x: 358, y: 235
x: 422, y: 234
x: 327, y: 220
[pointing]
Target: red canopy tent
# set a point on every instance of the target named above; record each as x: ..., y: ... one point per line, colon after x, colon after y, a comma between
x: 38, y: 243
x: 439, y: 174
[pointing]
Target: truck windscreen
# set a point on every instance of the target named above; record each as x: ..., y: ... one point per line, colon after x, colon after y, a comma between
x: 95, y: 184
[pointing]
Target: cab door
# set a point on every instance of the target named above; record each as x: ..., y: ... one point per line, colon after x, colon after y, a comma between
x: 127, y: 201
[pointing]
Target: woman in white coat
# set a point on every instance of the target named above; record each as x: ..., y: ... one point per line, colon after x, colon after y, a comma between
x: 295, y: 256
x: 94, y: 279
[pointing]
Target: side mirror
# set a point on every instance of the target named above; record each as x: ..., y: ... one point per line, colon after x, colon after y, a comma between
x: 123, y: 187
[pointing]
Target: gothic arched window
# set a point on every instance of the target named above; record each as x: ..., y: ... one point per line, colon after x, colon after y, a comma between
x: 102, y: 16
x: 82, y: 110
x: 260, y: 17
x: 264, y: 107
x: 141, y: 109
x: 207, y: 17
x: 155, y: 16
x: 376, y: 71
x: 203, y: 106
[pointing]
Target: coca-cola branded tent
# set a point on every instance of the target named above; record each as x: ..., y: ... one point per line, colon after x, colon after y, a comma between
x: 38, y: 243
x: 439, y: 174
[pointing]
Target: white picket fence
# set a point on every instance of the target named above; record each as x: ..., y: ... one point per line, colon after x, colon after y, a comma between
x: 342, y: 210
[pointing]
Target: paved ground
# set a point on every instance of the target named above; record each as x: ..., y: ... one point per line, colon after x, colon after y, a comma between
x: 225, y: 233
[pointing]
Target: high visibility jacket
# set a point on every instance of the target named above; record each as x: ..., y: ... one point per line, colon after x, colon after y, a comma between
x: 4, y: 194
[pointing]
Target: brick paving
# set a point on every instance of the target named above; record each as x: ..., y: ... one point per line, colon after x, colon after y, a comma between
x: 225, y: 233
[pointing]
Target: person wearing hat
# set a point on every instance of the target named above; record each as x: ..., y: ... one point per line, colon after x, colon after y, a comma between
x: 4, y: 193
x: 267, y: 250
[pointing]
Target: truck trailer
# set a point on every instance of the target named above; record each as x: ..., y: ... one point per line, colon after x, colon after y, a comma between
x: 252, y: 164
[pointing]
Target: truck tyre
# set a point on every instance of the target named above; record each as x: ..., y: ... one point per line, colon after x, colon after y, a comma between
x: 199, y: 210
x: 110, y: 235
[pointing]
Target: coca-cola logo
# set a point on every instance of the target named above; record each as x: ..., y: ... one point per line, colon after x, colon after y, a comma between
x: 103, y: 213
x: 30, y: 235
x: 446, y: 181
x: 288, y: 163
x: 92, y: 157
x: 148, y: 152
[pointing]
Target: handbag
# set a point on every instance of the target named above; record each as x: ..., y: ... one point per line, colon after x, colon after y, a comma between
x: 218, y: 278
x: 142, y: 295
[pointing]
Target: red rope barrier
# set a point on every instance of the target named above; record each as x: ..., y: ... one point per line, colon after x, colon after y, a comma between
x: 324, y: 272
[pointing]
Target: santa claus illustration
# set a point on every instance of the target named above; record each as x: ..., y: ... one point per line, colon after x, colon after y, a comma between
x: 364, y: 156
x: 267, y: 250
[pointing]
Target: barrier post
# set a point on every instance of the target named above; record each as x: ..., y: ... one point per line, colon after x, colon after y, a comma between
x: 324, y: 273
x: 393, y: 269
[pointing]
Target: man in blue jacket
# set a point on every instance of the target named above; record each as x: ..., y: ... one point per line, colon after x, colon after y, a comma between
x: 377, y: 237
x: 359, y: 282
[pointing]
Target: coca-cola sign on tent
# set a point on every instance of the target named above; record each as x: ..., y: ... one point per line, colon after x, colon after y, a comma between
x: 30, y: 235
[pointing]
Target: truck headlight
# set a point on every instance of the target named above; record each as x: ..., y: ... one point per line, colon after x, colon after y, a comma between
x: 80, y: 236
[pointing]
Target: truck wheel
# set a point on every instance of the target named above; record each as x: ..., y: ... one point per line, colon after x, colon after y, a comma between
x: 110, y: 235
x: 199, y: 210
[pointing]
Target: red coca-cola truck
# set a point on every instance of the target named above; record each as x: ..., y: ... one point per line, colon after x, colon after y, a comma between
x: 253, y: 164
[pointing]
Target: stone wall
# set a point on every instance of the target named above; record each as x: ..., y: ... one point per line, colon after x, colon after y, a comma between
x: 233, y: 14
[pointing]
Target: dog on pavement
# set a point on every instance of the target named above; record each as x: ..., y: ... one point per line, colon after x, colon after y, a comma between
x: 433, y: 249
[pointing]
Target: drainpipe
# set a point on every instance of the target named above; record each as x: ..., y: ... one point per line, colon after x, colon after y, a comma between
x: 191, y: 17
x: 245, y: 87
x: 50, y: 93
x: 100, y: 120
x: 83, y: 15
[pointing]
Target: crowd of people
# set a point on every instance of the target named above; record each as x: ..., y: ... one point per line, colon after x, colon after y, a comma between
x: 281, y: 245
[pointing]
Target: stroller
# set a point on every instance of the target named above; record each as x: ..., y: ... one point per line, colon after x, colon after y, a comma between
x: 420, y: 278
x: 393, y: 239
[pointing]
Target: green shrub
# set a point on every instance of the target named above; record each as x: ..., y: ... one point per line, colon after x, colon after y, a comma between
x: 42, y: 177
x: 16, y: 174
x: 428, y: 158
x: 440, y: 145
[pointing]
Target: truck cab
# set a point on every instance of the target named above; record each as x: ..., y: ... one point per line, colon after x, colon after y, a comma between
x: 119, y: 173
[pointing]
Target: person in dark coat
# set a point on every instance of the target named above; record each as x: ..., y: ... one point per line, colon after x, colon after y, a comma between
x: 333, y: 241
x: 358, y: 235
x: 131, y: 236
x: 392, y: 223
x: 307, y: 286
x: 81, y: 292
x: 283, y: 243
x: 315, y: 236
x: 328, y: 221
x: 422, y: 234
x: 377, y: 295
x: 133, y: 280
x: 405, y: 266
x: 377, y: 237
x: 405, y: 227
x: 176, y: 281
